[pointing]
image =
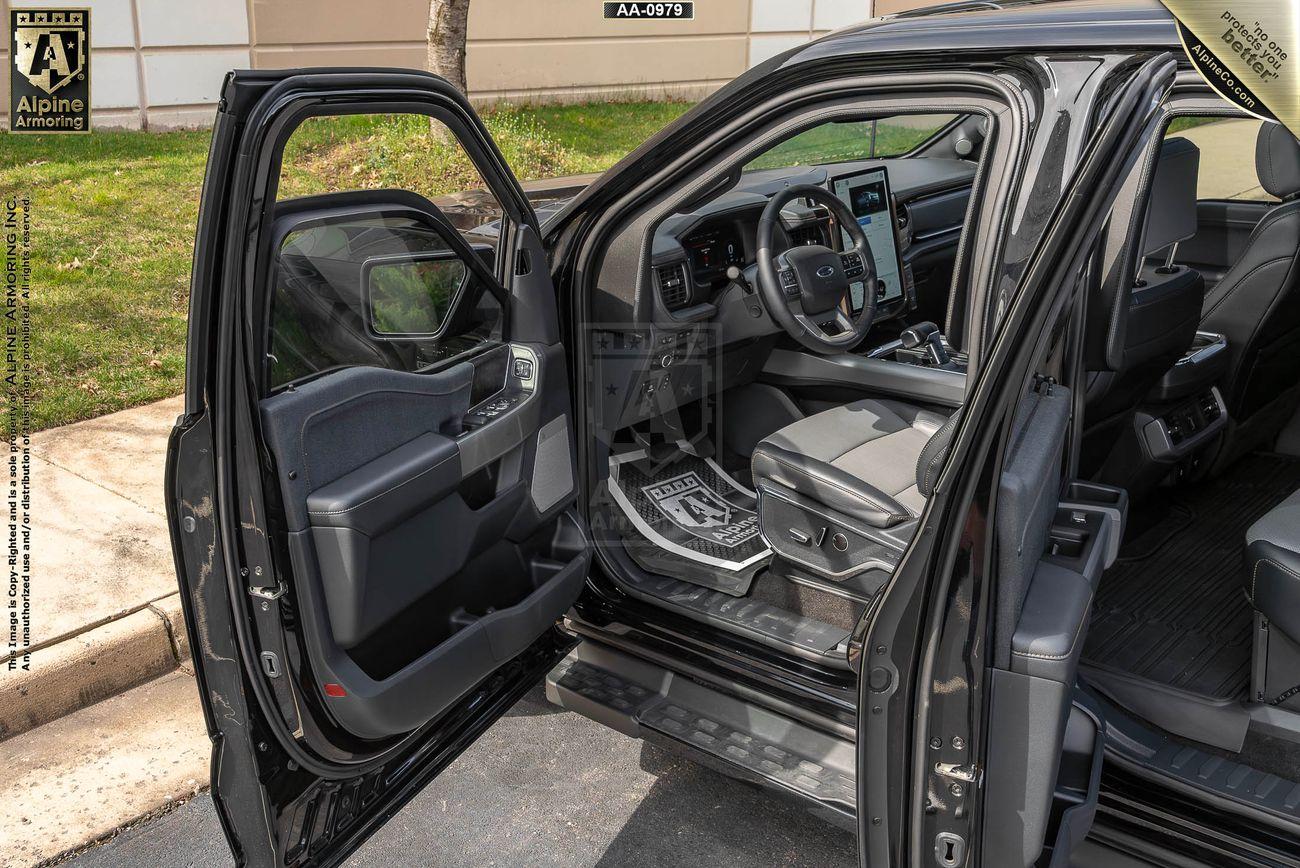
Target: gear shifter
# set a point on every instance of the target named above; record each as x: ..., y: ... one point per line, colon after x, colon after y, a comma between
x: 927, y: 334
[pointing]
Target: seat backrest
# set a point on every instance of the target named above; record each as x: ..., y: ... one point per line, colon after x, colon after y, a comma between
x: 1142, y: 315
x: 1256, y: 304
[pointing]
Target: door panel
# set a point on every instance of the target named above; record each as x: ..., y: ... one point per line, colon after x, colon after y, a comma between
x: 422, y: 526
x: 381, y: 452
x: 1054, y: 542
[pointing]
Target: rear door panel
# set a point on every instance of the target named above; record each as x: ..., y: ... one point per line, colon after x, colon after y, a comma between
x: 1042, y: 613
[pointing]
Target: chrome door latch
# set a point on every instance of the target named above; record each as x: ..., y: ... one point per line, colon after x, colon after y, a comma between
x: 957, y: 772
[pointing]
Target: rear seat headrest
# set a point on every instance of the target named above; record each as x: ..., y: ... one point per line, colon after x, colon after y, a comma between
x: 1277, y: 160
x: 1171, y: 207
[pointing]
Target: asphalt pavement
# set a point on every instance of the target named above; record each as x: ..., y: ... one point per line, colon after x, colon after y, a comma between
x: 544, y: 787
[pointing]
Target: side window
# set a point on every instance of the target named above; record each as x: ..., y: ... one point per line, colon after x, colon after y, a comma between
x: 374, y: 268
x: 1227, y: 148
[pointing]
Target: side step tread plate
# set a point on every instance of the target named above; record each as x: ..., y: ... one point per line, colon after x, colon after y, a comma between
x: 634, y: 696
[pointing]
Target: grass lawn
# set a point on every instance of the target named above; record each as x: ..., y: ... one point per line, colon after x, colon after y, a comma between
x: 113, y: 223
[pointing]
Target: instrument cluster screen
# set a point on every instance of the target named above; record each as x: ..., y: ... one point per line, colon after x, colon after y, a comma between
x: 713, y: 250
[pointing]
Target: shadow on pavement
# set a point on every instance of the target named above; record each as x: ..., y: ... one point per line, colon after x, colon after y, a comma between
x: 544, y: 787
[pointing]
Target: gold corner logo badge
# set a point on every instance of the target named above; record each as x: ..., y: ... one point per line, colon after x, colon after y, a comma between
x: 1247, y: 51
x: 49, y: 84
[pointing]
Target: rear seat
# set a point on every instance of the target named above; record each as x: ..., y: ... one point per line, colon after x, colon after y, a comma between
x: 1273, y: 586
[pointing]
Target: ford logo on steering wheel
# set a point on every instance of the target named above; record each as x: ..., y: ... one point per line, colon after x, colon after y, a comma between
x: 826, y: 271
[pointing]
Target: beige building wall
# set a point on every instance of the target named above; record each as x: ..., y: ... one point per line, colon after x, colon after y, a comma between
x: 159, y: 64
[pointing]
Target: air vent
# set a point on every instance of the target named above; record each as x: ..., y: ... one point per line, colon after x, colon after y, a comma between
x: 673, y: 286
x: 904, y: 224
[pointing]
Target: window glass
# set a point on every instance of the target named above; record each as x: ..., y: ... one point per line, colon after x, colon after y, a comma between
x: 853, y: 140
x: 319, y: 314
x: 376, y: 287
x: 387, y: 152
x: 1227, y: 166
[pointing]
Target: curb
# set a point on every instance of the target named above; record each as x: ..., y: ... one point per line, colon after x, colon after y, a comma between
x: 93, y: 665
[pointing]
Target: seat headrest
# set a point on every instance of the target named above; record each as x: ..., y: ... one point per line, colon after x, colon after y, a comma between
x: 1277, y: 160
x: 1171, y: 207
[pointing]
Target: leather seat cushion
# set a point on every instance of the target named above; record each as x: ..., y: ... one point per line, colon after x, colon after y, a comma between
x: 860, y: 459
x: 1273, y: 565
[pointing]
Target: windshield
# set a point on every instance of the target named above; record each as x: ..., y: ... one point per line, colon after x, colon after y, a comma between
x: 853, y: 140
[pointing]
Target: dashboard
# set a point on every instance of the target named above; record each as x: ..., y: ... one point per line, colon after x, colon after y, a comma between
x: 674, y: 326
x: 926, y: 198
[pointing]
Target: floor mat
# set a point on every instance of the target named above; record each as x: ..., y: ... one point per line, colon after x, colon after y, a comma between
x: 1172, y: 608
x: 688, y: 519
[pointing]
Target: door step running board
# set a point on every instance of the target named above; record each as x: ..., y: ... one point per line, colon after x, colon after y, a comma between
x: 642, y: 700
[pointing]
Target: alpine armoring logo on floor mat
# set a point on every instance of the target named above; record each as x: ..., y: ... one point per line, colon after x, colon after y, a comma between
x: 697, y: 509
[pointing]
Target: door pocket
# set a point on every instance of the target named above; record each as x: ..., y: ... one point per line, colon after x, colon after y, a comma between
x: 440, y: 647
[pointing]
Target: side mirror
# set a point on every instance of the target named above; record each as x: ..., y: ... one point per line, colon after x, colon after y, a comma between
x: 408, y: 296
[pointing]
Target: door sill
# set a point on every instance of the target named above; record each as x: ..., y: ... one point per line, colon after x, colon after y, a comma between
x: 1214, y: 778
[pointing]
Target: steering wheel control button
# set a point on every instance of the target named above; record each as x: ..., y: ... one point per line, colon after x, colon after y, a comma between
x: 852, y: 263
x: 790, y: 283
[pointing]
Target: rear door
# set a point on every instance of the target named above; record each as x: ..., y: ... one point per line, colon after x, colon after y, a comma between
x: 371, y: 491
x: 977, y: 748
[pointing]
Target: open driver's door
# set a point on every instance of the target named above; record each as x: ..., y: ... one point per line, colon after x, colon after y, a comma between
x: 370, y: 492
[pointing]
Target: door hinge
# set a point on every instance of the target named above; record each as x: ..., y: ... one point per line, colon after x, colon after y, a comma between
x: 972, y: 774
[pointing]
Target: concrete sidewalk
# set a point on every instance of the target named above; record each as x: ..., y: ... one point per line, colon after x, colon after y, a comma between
x: 105, y: 612
x: 102, y: 729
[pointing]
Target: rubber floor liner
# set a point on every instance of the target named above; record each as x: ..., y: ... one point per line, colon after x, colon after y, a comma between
x: 1172, y: 608
x: 688, y: 519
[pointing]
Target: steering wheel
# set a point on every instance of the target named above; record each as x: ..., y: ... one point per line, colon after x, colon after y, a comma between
x: 800, y: 286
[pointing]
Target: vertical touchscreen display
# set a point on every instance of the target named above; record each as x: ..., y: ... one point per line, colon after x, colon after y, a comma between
x: 867, y: 195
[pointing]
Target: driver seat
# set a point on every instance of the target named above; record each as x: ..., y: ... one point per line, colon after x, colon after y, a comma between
x: 839, y: 491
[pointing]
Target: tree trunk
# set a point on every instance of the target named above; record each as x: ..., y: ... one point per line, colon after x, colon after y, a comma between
x: 448, y: 23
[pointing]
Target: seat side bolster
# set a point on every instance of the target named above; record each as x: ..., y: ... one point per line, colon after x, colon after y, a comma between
x: 931, y: 459
x: 827, y: 484
x: 1273, y: 584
